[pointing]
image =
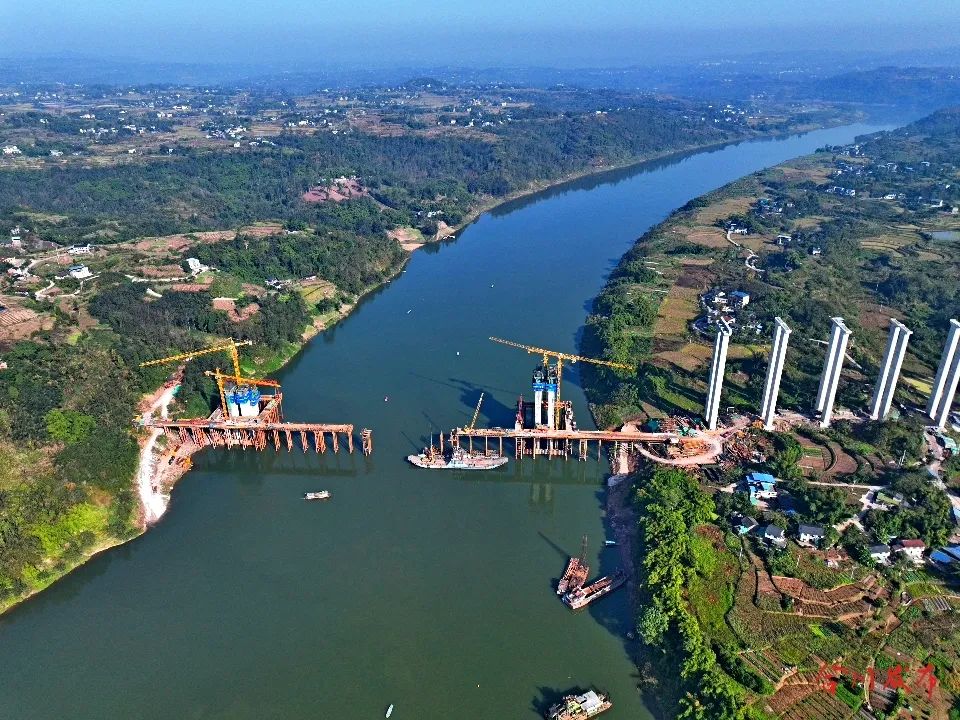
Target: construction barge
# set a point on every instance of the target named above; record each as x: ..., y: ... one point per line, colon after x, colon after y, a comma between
x: 576, y: 707
x: 455, y: 459
x: 579, y: 598
x: 576, y: 572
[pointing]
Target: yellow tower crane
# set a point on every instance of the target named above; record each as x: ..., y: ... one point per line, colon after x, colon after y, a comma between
x: 230, y: 347
x: 560, y: 357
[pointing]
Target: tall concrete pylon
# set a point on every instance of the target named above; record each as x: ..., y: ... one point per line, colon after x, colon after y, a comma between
x: 717, y: 367
x: 771, y: 387
x: 948, y: 373
x: 890, y: 370
x: 830, y: 379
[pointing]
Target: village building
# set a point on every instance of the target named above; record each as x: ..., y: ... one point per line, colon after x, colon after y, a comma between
x: 79, y: 272
x: 911, y: 549
x: 880, y: 554
x: 743, y: 524
x: 811, y: 534
x: 774, y: 536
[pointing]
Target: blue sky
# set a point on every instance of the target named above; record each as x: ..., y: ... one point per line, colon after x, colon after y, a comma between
x: 493, y: 32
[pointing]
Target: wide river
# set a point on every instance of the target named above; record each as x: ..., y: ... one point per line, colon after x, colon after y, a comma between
x: 430, y: 590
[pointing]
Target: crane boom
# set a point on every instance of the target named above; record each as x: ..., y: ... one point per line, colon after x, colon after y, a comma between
x: 560, y: 356
x: 476, y: 413
x: 230, y: 347
x: 244, y: 380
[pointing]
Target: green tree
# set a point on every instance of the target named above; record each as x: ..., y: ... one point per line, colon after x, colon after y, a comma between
x: 69, y: 427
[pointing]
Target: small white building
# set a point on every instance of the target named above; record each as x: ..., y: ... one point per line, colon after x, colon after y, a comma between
x: 880, y: 554
x: 774, y: 536
x: 80, y: 272
x: 912, y: 549
x: 784, y: 239
x: 740, y: 298
x: 12, y: 150
x: 196, y: 267
x: 811, y: 534
x: 80, y: 249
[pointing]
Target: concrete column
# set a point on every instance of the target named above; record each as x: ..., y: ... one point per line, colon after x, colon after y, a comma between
x: 890, y: 370
x: 771, y: 387
x: 551, y: 405
x: 832, y: 366
x: 717, y: 367
x: 945, y: 384
x: 538, y: 386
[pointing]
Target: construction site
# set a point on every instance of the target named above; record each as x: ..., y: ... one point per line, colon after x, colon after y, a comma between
x: 250, y: 415
x: 546, y: 426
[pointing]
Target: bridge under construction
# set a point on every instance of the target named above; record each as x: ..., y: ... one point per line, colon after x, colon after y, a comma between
x: 260, y: 432
x: 546, y: 426
x: 534, y: 442
x: 248, y: 419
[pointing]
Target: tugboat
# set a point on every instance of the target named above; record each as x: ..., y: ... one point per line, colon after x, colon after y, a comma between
x: 574, y: 707
x: 319, y: 495
x: 583, y: 596
x: 457, y: 459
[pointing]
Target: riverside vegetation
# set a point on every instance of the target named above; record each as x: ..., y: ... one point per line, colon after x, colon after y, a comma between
x: 148, y: 199
x: 752, y: 627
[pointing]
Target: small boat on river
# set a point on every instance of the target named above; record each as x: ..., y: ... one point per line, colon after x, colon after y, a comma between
x: 456, y: 459
x: 319, y: 495
x: 389, y: 711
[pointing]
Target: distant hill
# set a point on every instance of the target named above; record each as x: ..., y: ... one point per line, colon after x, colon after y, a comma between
x: 911, y: 86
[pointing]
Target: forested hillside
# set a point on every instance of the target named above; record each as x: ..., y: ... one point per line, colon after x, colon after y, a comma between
x: 861, y: 231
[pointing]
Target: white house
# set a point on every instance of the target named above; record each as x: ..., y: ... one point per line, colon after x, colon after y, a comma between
x: 880, y: 554
x: 913, y: 549
x: 810, y: 534
x: 774, y: 535
x: 196, y: 267
x: 740, y: 298
x: 80, y: 272
x: 12, y: 150
x: 80, y: 249
x: 783, y: 239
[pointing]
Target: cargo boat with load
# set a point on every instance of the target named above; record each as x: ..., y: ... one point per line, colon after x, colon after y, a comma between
x: 583, y: 596
x: 576, y: 573
x: 456, y: 459
x: 574, y: 707
x: 318, y: 495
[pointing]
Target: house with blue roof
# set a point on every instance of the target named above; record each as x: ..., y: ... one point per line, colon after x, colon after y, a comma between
x: 761, y: 486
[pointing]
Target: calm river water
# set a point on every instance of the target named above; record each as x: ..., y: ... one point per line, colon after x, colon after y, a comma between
x: 430, y: 590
